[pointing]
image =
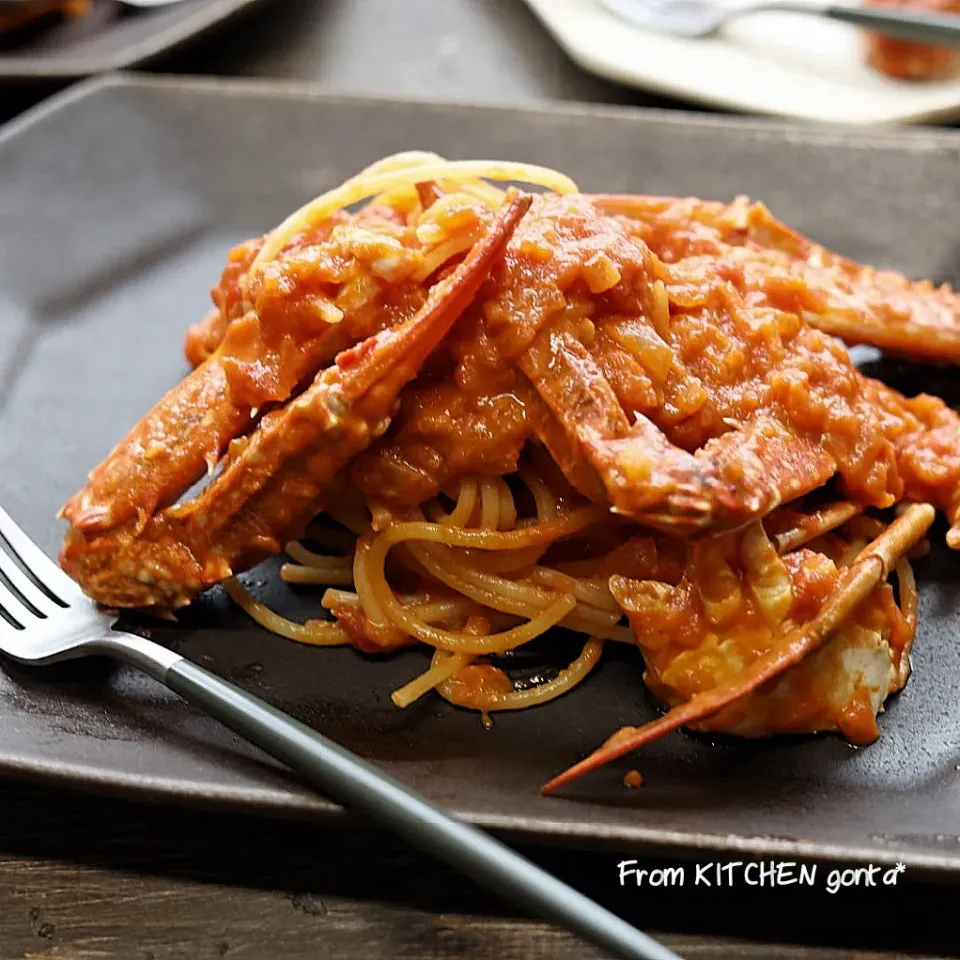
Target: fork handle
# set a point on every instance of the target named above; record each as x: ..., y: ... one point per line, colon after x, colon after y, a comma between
x: 361, y: 786
x: 933, y: 28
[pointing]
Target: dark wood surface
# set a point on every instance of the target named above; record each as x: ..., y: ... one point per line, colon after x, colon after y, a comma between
x: 83, y: 878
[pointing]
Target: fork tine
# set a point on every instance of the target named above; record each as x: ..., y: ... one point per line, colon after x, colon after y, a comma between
x: 37, y: 562
x: 10, y: 604
x: 23, y: 585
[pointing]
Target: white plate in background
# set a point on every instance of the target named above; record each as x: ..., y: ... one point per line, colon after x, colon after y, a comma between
x: 782, y: 64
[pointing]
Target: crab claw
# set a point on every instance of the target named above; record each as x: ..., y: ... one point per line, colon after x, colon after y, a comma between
x: 272, y: 483
x: 871, y: 567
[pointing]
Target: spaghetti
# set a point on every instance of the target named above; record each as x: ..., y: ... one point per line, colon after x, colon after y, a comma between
x: 506, y: 561
x: 482, y: 584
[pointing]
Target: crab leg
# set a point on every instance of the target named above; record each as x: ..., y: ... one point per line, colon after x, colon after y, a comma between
x: 181, y: 438
x: 163, y: 455
x: 871, y: 568
x: 734, y: 479
x: 275, y: 479
x: 640, y: 469
x: 859, y: 304
x: 706, y: 226
x: 246, y: 361
x: 748, y: 472
x: 803, y: 528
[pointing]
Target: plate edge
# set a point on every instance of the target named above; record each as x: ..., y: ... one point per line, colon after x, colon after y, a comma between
x: 754, y: 126
x: 649, y: 841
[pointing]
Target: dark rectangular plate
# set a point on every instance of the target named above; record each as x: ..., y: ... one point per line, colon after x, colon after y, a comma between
x: 118, y: 202
x: 110, y: 37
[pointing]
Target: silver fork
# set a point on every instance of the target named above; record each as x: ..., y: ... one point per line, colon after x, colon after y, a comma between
x: 701, y: 18
x: 45, y: 618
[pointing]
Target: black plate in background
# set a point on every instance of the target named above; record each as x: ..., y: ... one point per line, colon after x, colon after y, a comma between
x: 107, y: 256
x: 110, y: 37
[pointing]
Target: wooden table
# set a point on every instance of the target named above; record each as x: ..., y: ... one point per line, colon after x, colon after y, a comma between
x: 83, y: 878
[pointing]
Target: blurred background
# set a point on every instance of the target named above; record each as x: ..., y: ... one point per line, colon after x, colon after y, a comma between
x: 489, y: 50
x: 500, y: 51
